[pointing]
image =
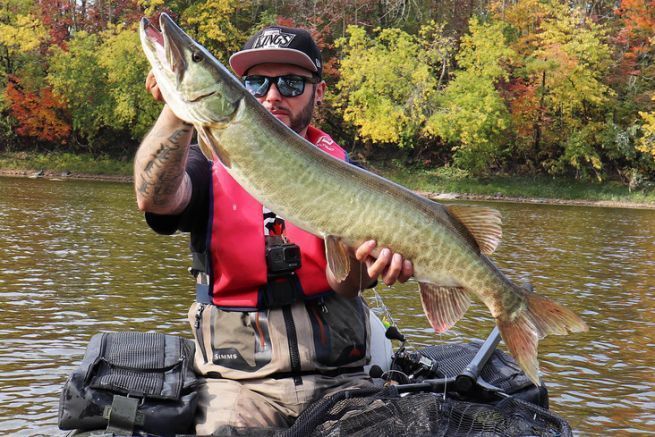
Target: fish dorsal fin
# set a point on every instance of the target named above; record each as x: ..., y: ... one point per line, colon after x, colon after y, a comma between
x: 338, y: 257
x: 208, y: 144
x: 484, y: 224
x: 443, y: 306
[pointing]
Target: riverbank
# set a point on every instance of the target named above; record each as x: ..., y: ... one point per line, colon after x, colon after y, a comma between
x: 65, y: 165
x: 449, y: 183
x: 437, y: 184
x: 61, y: 175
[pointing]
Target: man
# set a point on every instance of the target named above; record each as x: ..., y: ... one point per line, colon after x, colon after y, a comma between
x: 274, y: 329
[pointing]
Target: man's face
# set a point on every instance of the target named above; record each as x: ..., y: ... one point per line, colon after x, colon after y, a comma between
x: 295, y: 112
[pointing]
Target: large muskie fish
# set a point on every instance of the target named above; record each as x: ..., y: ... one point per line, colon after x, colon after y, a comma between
x: 448, y: 245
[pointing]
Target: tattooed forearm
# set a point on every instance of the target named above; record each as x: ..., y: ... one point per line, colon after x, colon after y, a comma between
x: 163, y: 171
x: 160, y: 166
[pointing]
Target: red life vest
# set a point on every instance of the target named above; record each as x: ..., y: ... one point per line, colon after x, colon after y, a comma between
x: 237, y: 247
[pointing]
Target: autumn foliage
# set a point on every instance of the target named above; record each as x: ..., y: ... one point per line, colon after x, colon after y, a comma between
x: 39, y: 115
x: 523, y: 86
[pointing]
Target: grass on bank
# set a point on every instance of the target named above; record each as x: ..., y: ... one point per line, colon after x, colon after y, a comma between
x: 451, y: 180
x: 435, y: 180
x: 65, y: 161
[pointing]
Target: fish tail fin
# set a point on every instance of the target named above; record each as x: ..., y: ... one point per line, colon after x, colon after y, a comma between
x: 551, y: 318
x: 522, y: 338
x: 541, y: 317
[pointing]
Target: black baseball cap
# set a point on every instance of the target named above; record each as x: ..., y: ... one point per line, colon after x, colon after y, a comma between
x: 281, y: 45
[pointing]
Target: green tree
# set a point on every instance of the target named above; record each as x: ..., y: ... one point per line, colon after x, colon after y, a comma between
x: 218, y: 25
x: 100, y: 78
x: 387, y: 85
x: 132, y: 108
x: 80, y: 80
x: 647, y: 141
x: 472, y: 115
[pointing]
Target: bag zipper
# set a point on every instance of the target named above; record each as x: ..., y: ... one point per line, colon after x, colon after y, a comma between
x: 292, y: 338
x: 198, y: 327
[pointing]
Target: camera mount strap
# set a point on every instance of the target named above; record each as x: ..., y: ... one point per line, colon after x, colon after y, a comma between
x: 279, y: 292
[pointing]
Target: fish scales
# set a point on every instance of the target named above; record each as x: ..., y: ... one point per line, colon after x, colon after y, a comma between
x: 448, y: 245
x: 302, y: 199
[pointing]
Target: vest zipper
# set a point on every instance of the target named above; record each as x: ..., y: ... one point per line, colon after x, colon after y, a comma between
x: 292, y: 338
x: 199, y: 334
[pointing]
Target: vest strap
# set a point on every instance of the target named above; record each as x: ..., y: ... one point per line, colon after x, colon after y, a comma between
x: 202, y: 288
x: 123, y: 415
x: 279, y: 292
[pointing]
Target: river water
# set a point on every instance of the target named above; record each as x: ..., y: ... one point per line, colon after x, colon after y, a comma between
x: 76, y: 258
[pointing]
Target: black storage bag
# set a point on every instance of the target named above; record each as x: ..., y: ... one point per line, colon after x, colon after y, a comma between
x: 153, y: 368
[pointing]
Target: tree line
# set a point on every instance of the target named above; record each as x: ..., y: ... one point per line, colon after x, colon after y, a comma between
x: 515, y: 86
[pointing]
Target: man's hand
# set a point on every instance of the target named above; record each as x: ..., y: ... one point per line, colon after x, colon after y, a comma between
x: 153, y: 88
x: 392, y: 266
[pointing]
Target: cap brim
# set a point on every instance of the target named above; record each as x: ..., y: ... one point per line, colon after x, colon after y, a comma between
x: 243, y: 60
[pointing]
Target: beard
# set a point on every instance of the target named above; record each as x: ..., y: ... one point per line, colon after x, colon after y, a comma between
x: 301, y: 121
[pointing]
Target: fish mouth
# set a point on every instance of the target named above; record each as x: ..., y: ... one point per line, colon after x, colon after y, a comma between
x: 155, y: 41
x: 200, y: 97
x: 154, y: 35
x: 167, y: 45
x: 167, y: 52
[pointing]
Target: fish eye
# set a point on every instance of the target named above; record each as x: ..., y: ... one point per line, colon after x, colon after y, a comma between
x: 197, y: 57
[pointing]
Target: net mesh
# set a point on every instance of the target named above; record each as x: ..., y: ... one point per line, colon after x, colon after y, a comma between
x: 387, y: 413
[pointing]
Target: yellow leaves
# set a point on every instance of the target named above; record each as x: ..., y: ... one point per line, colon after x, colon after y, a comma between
x: 386, y: 84
x: 569, y: 51
x: 472, y: 114
x: 485, y: 50
x: 647, y: 141
x: 120, y: 57
x: 151, y: 6
x: 383, y: 122
x: 120, y: 51
x: 524, y: 15
x: 25, y: 34
x: 215, y: 26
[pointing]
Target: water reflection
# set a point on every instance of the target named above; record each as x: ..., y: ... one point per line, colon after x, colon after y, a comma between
x: 77, y: 258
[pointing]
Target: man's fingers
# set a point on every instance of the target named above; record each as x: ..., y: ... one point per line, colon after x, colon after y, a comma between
x: 393, y: 270
x: 364, y: 250
x: 391, y: 266
x: 153, y: 88
x: 406, y: 272
x: 378, y: 266
x: 150, y: 81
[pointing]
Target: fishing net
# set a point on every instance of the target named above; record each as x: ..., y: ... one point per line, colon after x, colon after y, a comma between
x: 387, y: 413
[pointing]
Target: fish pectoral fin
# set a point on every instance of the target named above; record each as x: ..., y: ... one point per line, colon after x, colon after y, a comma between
x: 211, y: 147
x: 443, y: 306
x: 203, y: 142
x: 338, y: 257
x: 484, y: 224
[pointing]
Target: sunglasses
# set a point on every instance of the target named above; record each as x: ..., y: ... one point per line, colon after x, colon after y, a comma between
x: 289, y: 85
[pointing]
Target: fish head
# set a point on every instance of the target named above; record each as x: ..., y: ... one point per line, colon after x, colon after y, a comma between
x: 194, y: 84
